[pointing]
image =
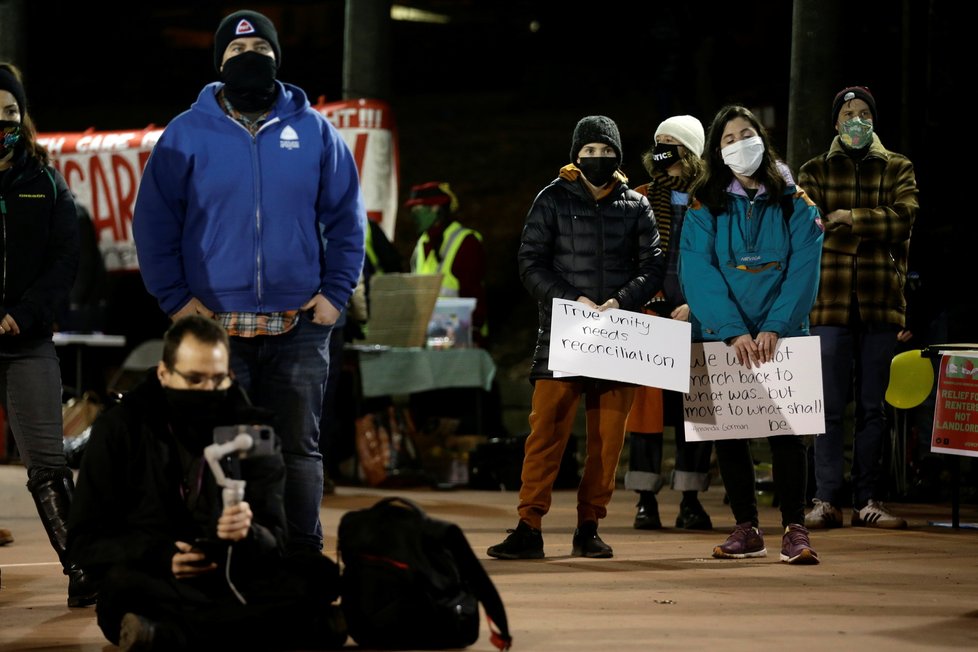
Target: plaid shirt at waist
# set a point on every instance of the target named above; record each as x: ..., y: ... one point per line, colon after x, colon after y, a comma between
x: 249, y: 324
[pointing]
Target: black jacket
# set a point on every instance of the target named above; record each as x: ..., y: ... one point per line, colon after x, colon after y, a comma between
x: 573, y: 245
x: 128, y: 507
x: 38, y: 246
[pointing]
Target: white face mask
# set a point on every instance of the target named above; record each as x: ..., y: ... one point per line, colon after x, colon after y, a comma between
x: 744, y: 156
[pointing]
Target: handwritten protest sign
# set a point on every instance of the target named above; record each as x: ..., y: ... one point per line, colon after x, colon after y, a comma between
x: 729, y: 401
x: 619, y: 345
x: 956, y: 412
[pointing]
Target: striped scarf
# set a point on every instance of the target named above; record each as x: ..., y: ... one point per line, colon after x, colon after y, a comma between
x: 659, y: 192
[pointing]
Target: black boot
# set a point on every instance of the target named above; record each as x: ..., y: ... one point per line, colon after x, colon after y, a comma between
x: 647, y: 516
x: 524, y: 542
x: 692, y: 516
x: 587, y: 543
x: 52, y: 490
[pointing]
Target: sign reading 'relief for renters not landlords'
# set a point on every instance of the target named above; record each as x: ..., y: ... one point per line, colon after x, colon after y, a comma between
x: 729, y: 401
x: 619, y: 345
x: 956, y: 412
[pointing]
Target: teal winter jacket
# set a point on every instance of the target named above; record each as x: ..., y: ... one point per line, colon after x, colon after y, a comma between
x: 749, y: 269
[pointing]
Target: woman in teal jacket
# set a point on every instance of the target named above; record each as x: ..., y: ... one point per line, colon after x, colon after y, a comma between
x: 749, y: 267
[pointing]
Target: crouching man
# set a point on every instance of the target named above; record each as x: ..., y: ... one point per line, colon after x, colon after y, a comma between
x: 175, y: 568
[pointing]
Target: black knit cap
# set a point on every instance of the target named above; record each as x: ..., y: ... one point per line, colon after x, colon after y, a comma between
x: 852, y: 93
x: 595, y: 129
x: 244, y: 24
x: 8, y: 82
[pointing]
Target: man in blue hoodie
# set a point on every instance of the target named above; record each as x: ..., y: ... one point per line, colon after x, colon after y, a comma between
x: 250, y: 211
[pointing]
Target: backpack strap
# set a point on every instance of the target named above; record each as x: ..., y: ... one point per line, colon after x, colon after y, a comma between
x: 477, y: 578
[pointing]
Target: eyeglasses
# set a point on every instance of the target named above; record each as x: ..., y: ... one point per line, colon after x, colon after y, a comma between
x: 195, y: 379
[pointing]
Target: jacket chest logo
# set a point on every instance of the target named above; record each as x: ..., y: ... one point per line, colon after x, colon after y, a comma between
x: 288, y: 139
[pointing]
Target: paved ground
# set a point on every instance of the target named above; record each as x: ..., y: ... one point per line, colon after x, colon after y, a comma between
x: 875, y: 590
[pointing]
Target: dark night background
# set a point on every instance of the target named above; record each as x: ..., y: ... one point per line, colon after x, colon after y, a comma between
x: 489, y: 104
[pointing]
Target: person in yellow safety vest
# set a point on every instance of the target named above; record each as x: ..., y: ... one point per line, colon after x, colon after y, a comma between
x: 448, y: 248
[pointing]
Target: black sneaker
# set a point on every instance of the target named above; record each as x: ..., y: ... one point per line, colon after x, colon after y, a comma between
x: 692, y: 516
x: 587, y: 543
x: 524, y: 542
x: 647, y: 516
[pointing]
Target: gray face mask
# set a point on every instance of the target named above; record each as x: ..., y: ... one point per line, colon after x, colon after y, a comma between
x: 599, y: 170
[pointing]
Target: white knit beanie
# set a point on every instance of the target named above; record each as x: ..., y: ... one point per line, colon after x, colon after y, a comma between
x: 686, y: 129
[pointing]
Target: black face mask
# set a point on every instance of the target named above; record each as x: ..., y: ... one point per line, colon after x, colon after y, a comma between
x: 598, y: 169
x: 249, y: 81
x: 194, y: 413
x: 664, y: 156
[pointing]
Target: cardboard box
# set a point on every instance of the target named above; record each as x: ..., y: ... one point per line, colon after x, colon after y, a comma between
x: 400, y: 308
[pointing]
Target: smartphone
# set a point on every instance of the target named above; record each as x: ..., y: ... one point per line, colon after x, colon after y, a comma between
x: 215, y: 550
x: 265, y: 441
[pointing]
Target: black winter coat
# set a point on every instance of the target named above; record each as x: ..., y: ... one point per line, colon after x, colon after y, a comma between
x: 38, y: 246
x: 129, y: 508
x: 575, y: 246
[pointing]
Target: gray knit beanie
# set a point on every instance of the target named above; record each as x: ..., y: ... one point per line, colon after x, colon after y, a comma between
x: 595, y: 129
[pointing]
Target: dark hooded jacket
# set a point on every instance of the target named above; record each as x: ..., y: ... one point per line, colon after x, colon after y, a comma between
x: 38, y: 246
x: 130, y: 507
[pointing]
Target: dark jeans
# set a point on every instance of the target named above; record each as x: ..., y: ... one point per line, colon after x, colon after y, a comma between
x: 858, y: 359
x: 789, y: 464
x: 692, y: 471
x: 287, y: 374
x: 30, y: 390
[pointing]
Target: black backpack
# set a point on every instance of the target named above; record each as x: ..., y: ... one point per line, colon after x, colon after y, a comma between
x: 411, y: 581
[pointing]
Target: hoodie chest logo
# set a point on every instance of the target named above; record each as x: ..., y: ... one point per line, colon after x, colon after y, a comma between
x: 289, y: 139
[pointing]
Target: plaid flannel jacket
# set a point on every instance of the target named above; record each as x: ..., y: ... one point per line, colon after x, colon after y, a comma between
x: 867, y: 261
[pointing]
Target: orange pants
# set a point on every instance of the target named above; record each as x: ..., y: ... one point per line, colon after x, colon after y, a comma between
x: 552, y: 414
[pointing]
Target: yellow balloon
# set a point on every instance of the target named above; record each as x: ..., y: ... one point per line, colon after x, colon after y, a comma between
x: 911, y: 379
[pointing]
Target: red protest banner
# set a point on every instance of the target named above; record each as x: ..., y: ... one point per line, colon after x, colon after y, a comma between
x: 956, y: 412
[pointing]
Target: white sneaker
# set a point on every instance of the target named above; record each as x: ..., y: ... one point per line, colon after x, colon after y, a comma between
x: 823, y: 516
x: 874, y: 514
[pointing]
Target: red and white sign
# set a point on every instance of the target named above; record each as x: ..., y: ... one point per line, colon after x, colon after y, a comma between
x: 368, y: 129
x: 104, y: 168
x: 956, y: 413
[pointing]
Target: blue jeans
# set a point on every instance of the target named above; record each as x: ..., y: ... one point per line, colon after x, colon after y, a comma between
x: 30, y: 389
x: 287, y: 374
x: 857, y: 358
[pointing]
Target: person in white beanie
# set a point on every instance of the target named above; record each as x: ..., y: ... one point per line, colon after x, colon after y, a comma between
x: 673, y: 163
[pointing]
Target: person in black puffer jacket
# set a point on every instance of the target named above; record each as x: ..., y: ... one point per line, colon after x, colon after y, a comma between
x: 587, y: 238
x: 38, y: 263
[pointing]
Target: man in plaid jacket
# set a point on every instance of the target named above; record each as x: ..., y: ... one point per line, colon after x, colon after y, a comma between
x: 868, y: 198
